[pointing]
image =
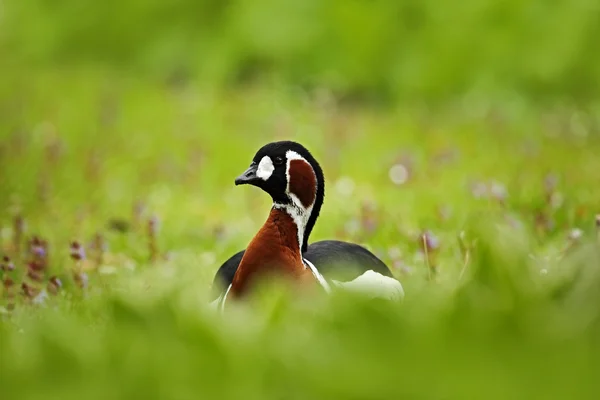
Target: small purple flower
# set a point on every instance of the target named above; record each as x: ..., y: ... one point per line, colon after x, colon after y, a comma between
x: 429, y: 241
x: 56, y: 281
x: 81, y: 279
x: 54, y: 285
x: 28, y: 291
x: 38, y: 251
x: 7, y: 265
x: 77, y: 251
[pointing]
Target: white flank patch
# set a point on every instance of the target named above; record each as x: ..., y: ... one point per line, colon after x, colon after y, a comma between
x: 265, y: 168
x: 219, y: 303
x: 317, y: 275
x: 215, y: 303
x: 374, y: 284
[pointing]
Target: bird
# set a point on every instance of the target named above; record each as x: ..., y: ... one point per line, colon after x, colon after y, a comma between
x: 289, y: 173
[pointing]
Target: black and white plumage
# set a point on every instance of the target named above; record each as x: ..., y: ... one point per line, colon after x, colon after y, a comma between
x: 341, y: 264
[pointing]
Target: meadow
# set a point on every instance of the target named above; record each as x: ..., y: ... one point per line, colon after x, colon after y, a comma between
x: 117, y: 206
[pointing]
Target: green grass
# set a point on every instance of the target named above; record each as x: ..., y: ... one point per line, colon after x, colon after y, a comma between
x: 519, y: 319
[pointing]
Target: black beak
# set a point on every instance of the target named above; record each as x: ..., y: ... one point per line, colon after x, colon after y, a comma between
x: 248, y: 177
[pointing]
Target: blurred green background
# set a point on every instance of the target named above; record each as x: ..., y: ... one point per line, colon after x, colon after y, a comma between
x: 124, y: 124
x: 376, y: 50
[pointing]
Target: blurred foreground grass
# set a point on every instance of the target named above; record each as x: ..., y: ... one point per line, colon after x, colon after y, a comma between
x: 508, y: 311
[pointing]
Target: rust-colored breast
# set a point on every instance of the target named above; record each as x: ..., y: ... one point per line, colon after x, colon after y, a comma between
x: 303, y: 182
x: 273, y: 250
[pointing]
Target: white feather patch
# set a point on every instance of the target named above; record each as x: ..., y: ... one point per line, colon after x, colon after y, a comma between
x: 219, y: 303
x: 317, y: 275
x: 374, y: 284
x: 214, y: 305
x: 265, y: 168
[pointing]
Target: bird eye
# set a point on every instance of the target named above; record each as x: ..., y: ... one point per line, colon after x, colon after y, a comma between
x: 278, y: 160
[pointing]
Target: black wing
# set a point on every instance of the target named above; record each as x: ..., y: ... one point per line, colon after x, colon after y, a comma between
x: 344, y: 261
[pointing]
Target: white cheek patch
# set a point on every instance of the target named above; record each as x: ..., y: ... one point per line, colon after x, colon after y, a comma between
x: 265, y: 168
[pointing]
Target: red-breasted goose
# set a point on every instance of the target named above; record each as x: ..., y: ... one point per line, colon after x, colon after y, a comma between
x: 289, y: 173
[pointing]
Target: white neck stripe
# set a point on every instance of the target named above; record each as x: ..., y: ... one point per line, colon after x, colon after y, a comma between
x: 299, y: 215
x: 296, y: 210
x: 320, y: 278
